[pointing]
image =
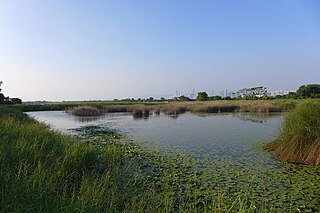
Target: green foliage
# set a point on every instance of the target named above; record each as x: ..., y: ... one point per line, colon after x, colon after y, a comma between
x: 202, y: 96
x: 215, y: 98
x: 181, y: 98
x: 299, y: 141
x: 309, y: 91
x: 1, y: 98
x: 16, y: 101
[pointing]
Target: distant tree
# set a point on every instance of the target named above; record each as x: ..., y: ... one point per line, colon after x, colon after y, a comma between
x: 184, y: 98
x: 16, y: 101
x: 253, y: 93
x: 202, y: 96
x: 150, y: 99
x: 162, y: 99
x: 278, y: 97
x: 291, y: 95
x: 175, y: 99
x: 309, y: 91
x: 2, y: 98
x: 217, y: 97
x: 266, y: 97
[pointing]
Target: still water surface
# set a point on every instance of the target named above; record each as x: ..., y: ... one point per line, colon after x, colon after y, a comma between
x: 188, y: 131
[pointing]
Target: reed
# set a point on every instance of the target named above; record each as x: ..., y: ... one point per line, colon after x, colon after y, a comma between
x: 140, y: 113
x: 299, y: 141
x: 265, y: 106
x: 174, y: 108
x: 85, y: 111
x: 116, y: 108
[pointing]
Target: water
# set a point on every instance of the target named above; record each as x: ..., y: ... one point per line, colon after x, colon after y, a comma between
x: 210, y: 136
x: 188, y: 131
x: 227, y: 148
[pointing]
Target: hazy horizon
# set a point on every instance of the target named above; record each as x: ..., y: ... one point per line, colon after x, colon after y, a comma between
x: 104, y: 50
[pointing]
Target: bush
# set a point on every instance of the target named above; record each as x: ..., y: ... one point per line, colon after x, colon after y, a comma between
x: 299, y: 141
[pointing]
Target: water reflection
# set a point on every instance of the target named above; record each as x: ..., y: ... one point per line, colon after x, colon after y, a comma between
x: 140, y: 117
x: 252, y: 117
x: 256, y: 117
x: 87, y: 119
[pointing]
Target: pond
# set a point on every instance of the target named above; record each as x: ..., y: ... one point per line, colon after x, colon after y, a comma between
x: 227, y: 149
x: 188, y: 131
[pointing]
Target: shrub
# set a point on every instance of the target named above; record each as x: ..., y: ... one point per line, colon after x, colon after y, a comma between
x: 299, y: 141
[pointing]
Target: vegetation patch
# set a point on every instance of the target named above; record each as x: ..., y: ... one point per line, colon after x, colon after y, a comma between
x: 140, y: 113
x: 42, y: 171
x: 85, y: 111
x: 97, y: 131
x: 299, y: 141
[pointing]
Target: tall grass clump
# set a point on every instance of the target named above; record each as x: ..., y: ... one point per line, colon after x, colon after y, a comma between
x: 85, y: 111
x: 44, y: 171
x: 299, y: 141
x: 140, y: 113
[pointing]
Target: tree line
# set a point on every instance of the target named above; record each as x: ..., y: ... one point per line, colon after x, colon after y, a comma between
x: 8, y: 100
x: 303, y: 92
x: 255, y: 93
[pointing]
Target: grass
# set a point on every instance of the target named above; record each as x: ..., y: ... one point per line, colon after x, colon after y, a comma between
x: 44, y: 171
x: 299, y: 141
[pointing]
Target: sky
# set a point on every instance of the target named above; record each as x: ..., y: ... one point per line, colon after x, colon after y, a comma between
x: 101, y: 50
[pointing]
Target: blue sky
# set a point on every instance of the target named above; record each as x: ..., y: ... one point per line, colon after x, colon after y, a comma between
x: 85, y: 50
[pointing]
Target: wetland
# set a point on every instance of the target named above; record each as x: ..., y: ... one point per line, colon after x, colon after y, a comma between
x: 208, y: 156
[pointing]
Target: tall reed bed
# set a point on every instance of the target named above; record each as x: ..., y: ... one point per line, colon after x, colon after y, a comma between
x: 299, y: 141
x: 85, y: 111
x: 176, y: 108
x: 264, y: 106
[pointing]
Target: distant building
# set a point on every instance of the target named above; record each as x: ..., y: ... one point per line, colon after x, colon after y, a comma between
x: 280, y: 92
x: 221, y: 93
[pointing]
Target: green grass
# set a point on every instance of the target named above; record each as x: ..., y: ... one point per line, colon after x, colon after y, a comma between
x: 299, y: 141
x: 44, y: 171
